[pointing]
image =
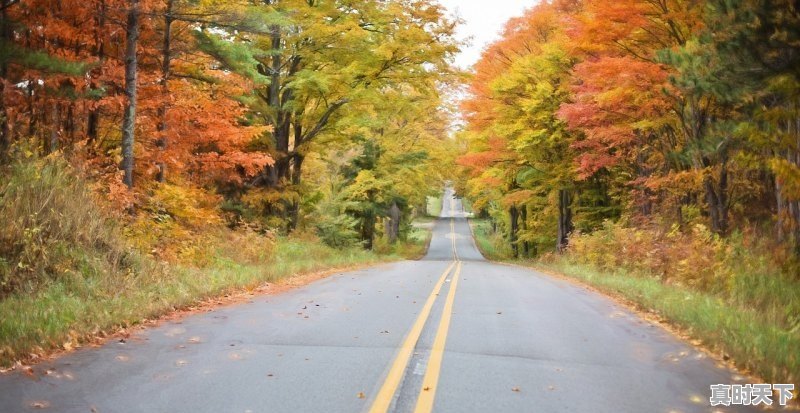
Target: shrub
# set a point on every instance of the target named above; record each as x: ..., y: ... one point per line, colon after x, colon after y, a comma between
x: 338, y: 231
x: 52, y: 226
x: 740, y: 269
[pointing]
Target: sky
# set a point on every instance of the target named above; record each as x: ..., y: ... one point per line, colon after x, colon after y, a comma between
x: 483, y: 21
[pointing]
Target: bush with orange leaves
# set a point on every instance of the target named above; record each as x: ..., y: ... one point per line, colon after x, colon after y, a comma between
x: 184, y: 224
x: 744, y: 268
x: 695, y: 258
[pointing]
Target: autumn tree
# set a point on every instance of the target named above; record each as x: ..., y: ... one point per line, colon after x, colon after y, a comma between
x: 314, y: 58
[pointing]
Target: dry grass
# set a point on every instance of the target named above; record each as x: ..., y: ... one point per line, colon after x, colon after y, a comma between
x: 53, y: 228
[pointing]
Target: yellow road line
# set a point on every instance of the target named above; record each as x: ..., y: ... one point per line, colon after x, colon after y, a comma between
x: 431, y: 379
x: 453, y: 229
x: 384, y: 398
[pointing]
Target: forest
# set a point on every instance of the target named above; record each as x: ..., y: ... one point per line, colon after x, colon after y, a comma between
x: 278, y: 117
x: 655, y: 113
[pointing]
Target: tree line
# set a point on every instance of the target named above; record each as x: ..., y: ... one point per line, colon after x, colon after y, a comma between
x: 651, y: 113
x: 291, y: 113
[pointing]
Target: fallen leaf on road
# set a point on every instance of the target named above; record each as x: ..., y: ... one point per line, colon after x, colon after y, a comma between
x: 516, y: 389
x: 40, y: 404
x: 270, y: 375
x: 28, y: 371
x: 361, y: 395
x: 426, y: 388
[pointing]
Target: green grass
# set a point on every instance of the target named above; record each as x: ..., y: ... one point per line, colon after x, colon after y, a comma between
x: 72, y: 310
x: 491, y: 244
x: 419, y: 238
x: 434, y: 208
x: 750, y: 336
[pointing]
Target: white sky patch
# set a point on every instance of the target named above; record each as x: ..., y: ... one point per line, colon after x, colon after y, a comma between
x: 483, y: 22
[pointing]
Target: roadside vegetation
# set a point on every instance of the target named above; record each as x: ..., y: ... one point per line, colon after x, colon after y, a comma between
x: 434, y: 206
x: 489, y: 241
x: 71, y: 270
x: 724, y: 293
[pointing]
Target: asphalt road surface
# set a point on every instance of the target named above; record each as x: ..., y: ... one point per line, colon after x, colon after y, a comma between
x: 448, y: 333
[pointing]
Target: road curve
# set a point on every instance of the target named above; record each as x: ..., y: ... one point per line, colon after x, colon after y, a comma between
x: 448, y: 333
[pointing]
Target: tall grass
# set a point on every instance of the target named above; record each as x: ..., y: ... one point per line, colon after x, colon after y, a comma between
x: 490, y: 242
x: 52, y: 228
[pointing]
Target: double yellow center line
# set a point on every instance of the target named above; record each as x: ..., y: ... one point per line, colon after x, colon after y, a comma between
x: 383, y: 400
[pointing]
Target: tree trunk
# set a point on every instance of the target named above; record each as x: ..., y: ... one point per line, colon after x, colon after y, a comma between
x: 513, y: 214
x: 796, y: 203
x: 129, y: 118
x: 5, y: 32
x: 166, y: 58
x: 523, y: 216
x: 281, y: 127
x: 393, y: 223
x: 643, y: 192
x: 69, y: 122
x: 55, y: 125
x: 788, y: 222
x: 564, y: 219
x: 717, y: 199
x: 368, y: 230
x: 93, y: 120
x: 32, y: 113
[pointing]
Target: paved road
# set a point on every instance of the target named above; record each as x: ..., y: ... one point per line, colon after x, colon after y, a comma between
x: 449, y: 333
